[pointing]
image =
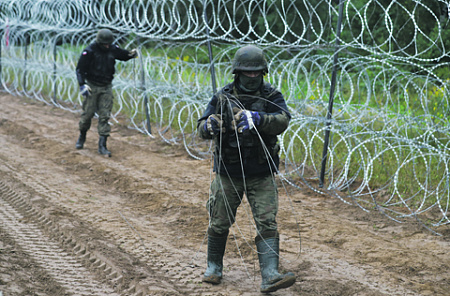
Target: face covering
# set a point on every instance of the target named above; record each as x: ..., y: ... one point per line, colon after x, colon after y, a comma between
x: 103, y: 48
x: 249, y: 84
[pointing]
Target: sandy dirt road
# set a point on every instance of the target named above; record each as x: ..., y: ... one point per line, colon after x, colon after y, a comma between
x: 75, y: 223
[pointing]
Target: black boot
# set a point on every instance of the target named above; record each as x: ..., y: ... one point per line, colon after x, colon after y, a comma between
x: 81, y: 140
x: 268, y: 255
x: 102, y: 146
x: 216, y: 250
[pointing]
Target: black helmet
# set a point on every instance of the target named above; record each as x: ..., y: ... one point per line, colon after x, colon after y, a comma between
x: 105, y: 36
x: 249, y: 58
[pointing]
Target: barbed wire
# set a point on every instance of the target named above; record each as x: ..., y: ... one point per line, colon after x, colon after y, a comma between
x: 389, y: 147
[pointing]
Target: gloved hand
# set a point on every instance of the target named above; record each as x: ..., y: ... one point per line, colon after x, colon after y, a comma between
x: 133, y: 53
x: 214, y: 124
x: 85, y: 90
x: 246, y: 120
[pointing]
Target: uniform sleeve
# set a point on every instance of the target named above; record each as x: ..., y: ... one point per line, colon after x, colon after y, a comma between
x: 121, y: 54
x: 276, y: 120
x: 83, y: 66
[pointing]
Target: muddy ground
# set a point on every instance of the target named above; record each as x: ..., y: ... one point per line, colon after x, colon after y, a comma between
x: 73, y: 222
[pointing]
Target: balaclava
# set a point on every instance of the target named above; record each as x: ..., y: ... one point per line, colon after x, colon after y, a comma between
x: 249, y: 84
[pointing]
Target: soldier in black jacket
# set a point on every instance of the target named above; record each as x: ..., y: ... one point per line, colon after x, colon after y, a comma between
x: 95, y: 72
x: 244, y: 119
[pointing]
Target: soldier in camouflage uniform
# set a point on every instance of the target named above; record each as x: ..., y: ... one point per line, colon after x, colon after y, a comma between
x: 95, y: 72
x: 244, y: 119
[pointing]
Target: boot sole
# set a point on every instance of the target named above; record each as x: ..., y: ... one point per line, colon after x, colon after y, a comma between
x: 212, y: 279
x: 106, y: 154
x: 284, y: 283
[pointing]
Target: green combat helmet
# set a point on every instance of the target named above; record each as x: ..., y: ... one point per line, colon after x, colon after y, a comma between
x: 105, y: 36
x: 249, y: 58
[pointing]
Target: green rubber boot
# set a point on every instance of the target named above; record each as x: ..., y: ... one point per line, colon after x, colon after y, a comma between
x: 81, y: 140
x: 102, y: 146
x: 269, y: 255
x: 216, y: 250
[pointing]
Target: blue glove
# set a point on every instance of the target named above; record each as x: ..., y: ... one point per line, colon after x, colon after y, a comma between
x: 213, y: 125
x: 85, y: 90
x: 248, y: 120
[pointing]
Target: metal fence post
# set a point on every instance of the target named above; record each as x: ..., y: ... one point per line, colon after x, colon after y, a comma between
x: 141, y: 62
x: 331, y: 98
x: 211, y: 58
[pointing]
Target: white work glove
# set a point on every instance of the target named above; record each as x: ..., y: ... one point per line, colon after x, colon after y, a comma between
x: 85, y: 90
x: 133, y: 53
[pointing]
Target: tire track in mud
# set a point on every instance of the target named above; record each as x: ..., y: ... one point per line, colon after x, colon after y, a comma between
x: 80, y: 254
x: 159, y: 255
x: 62, y: 266
x: 100, y: 257
x: 179, y: 276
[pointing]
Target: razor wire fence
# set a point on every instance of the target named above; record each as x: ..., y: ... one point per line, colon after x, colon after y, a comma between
x: 388, y: 148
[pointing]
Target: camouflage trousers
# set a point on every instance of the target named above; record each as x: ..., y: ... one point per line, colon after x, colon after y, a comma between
x: 100, y: 101
x: 227, y: 193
